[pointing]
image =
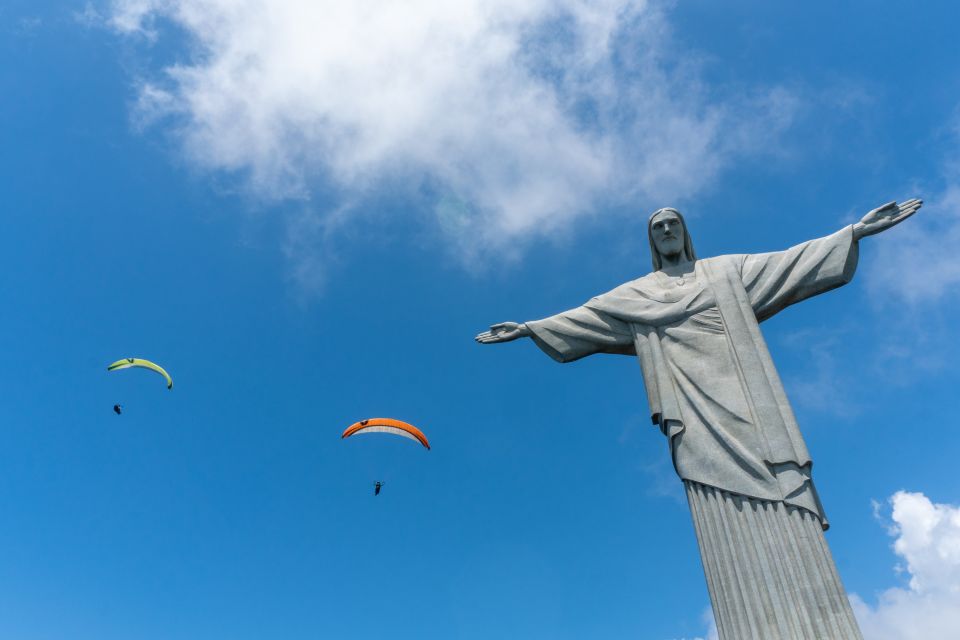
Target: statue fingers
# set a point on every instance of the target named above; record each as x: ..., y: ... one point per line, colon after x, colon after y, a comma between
x: 907, y: 209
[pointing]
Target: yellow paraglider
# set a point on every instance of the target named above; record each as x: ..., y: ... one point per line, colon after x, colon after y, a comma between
x: 127, y: 363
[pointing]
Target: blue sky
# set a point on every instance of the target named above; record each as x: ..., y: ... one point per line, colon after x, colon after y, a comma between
x: 307, y: 212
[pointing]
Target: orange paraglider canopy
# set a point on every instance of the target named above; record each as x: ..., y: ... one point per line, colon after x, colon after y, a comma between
x: 387, y: 425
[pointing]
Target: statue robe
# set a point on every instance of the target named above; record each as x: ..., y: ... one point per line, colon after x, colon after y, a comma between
x: 711, y: 384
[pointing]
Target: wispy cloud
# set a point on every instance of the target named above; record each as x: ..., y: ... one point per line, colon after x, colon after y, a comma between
x: 89, y: 16
x: 502, y: 119
x: 916, y: 263
x: 821, y: 385
x: 927, y: 539
x: 708, y: 619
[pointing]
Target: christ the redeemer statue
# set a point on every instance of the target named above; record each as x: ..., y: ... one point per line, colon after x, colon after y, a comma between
x: 715, y: 394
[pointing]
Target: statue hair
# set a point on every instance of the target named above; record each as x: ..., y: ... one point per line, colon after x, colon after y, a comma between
x: 687, y: 240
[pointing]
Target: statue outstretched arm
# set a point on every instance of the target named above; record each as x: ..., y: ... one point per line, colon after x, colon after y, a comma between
x: 568, y: 336
x: 776, y: 280
x: 503, y: 332
x: 884, y: 217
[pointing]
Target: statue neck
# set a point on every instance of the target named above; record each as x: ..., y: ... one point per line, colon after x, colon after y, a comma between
x: 676, y: 262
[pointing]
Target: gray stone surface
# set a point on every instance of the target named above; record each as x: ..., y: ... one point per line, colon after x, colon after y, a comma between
x: 769, y: 571
x: 714, y: 392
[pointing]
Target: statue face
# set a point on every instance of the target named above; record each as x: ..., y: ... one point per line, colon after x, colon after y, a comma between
x: 667, y: 232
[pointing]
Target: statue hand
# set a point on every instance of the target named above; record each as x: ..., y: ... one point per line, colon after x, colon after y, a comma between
x: 884, y: 217
x: 503, y: 332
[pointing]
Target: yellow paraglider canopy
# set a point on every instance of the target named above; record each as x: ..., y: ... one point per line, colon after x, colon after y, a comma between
x: 126, y: 363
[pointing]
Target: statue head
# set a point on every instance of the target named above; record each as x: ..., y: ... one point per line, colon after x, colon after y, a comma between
x: 668, y: 236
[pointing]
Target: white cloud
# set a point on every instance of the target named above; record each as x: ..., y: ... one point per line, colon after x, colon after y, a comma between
x: 88, y: 16
x: 915, y: 263
x: 928, y: 608
x: 708, y: 619
x: 505, y: 119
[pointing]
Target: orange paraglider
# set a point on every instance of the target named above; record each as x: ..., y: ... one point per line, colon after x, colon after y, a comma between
x: 387, y: 425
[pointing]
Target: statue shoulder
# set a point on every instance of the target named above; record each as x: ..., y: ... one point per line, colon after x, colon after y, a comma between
x: 727, y: 261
